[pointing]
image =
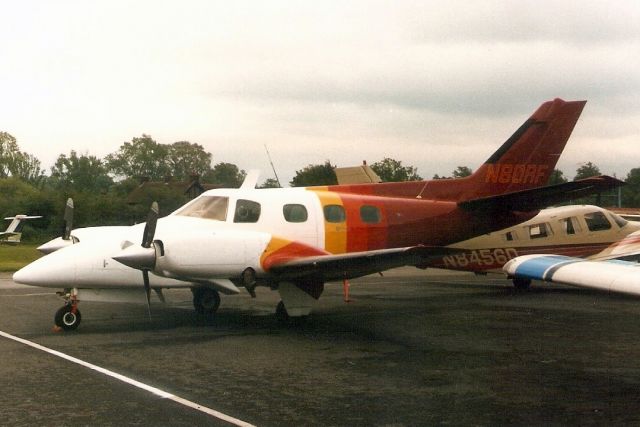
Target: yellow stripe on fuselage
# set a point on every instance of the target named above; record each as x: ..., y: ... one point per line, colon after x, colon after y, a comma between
x: 335, y: 234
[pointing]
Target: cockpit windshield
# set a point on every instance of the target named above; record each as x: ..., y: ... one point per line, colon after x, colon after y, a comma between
x: 209, y: 207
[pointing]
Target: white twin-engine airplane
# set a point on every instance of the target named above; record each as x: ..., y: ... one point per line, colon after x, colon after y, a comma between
x: 294, y: 240
x: 13, y: 233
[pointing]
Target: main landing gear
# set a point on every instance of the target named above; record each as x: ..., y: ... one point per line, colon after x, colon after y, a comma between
x: 206, y: 301
x: 281, y: 313
x: 68, y: 316
x: 521, y: 284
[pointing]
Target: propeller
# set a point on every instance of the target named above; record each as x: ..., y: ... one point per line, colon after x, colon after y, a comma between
x: 147, y: 239
x: 65, y: 238
x: 142, y: 257
x: 67, y: 223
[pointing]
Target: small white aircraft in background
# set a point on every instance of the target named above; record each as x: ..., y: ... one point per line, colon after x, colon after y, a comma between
x: 13, y: 233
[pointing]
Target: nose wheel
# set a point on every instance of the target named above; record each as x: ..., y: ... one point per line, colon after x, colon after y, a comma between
x: 68, y: 317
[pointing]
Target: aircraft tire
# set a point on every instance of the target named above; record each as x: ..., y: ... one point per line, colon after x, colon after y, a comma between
x: 206, y: 301
x: 521, y: 284
x: 66, y: 319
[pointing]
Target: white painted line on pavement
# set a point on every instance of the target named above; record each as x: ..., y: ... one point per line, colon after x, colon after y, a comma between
x: 156, y: 391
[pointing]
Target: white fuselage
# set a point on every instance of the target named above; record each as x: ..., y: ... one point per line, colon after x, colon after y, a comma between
x: 196, y: 249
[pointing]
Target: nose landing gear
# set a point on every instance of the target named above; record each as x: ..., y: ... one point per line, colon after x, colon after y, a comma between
x: 68, y: 317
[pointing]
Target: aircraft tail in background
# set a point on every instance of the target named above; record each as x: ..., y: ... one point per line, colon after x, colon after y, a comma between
x: 13, y: 233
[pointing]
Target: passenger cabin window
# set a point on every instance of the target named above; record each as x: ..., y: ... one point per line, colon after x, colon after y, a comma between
x: 246, y: 211
x: 597, y: 221
x: 334, y: 213
x: 568, y: 226
x: 208, y: 207
x: 510, y: 236
x: 295, y: 213
x: 539, y: 231
x: 370, y: 214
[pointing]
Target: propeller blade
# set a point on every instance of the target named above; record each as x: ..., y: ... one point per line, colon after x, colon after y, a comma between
x: 150, y: 226
x: 147, y: 290
x: 67, y: 223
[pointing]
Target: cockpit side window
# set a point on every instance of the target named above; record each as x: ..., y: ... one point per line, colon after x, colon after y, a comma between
x: 597, y: 221
x: 246, y: 211
x: 208, y: 207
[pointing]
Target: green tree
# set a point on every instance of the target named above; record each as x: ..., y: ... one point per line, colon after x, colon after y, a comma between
x: 391, y: 170
x: 461, y: 172
x: 226, y: 174
x: 587, y: 170
x: 8, y: 151
x: 142, y: 157
x: 312, y: 175
x: 270, y: 183
x: 16, y: 163
x: 557, y: 177
x: 186, y: 159
x: 80, y: 173
x: 631, y: 191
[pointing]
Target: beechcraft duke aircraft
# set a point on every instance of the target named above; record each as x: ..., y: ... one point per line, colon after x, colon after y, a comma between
x: 293, y: 240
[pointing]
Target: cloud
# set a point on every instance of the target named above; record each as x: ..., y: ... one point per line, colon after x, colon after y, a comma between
x: 434, y: 85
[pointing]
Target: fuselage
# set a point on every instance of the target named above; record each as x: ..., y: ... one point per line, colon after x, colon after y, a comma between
x: 224, y: 231
x: 582, y: 231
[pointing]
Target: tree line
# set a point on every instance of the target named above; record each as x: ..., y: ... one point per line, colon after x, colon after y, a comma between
x: 100, y: 187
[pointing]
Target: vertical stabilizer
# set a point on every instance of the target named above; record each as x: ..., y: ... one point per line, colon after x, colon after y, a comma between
x: 527, y: 159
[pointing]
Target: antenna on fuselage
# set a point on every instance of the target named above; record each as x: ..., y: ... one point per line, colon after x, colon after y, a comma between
x: 272, y: 167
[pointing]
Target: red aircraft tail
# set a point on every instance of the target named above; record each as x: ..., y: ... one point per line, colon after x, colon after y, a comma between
x: 527, y: 159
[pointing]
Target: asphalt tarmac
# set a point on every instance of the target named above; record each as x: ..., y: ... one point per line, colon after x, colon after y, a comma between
x: 412, y: 348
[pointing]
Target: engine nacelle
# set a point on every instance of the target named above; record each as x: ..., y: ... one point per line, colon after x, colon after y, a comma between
x: 210, y: 254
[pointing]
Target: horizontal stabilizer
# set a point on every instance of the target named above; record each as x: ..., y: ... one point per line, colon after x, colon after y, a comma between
x: 542, y: 197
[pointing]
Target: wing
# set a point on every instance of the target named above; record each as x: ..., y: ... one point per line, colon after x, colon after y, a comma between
x: 347, y: 266
x: 611, y: 275
x: 538, y: 198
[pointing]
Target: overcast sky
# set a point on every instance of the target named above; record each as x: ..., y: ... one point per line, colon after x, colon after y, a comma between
x: 433, y: 84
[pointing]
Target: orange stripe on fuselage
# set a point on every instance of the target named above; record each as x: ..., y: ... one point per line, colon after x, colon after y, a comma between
x: 354, y: 234
x: 280, y: 251
x: 335, y: 233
